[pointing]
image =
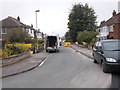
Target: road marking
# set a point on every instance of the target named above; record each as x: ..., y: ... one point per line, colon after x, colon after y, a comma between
x: 42, y: 63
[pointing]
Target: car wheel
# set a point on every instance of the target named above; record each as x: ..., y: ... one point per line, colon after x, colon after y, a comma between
x: 46, y: 50
x: 105, y: 70
x: 94, y: 60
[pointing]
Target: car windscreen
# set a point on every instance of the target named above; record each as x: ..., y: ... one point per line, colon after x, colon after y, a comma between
x: 112, y: 45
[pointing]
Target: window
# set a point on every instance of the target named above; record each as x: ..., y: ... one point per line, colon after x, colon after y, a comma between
x: 113, y: 45
x: 111, y: 28
x: 3, y: 31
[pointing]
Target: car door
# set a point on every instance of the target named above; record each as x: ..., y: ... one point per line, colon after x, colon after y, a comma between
x: 98, y: 52
x: 95, y: 51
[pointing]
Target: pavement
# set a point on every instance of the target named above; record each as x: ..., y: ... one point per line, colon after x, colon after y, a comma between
x: 85, y: 51
x: 24, y: 65
x: 35, y: 60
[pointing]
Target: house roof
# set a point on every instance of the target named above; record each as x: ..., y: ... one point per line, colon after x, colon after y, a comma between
x: 112, y: 20
x: 10, y: 22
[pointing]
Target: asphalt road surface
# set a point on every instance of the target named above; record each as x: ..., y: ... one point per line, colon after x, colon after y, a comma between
x: 65, y: 69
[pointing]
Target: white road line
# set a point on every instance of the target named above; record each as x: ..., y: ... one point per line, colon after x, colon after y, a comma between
x: 42, y: 63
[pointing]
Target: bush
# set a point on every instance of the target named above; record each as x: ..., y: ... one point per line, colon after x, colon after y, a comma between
x: 33, y: 41
x: 16, y: 48
x: 16, y: 34
x: 6, y: 52
x: 86, y: 36
x: 23, y: 47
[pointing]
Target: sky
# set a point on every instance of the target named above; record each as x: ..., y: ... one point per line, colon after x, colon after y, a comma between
x: 53, y: 16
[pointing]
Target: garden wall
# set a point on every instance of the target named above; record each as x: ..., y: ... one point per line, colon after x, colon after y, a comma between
x: 14, y: 58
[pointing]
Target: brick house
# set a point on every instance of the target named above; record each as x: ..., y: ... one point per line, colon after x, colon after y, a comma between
x: 10, y: 23
x: 110, y: 29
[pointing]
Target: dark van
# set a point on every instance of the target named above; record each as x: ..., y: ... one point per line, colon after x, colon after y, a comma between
x: 107, y: 53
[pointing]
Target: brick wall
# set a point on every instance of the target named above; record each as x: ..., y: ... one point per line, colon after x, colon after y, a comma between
x: 116, y: 33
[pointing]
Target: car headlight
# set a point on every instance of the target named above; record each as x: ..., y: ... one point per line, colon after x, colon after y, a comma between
x: 110, y: 60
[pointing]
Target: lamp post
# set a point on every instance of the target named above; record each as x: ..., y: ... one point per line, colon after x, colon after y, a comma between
x: 36, y: 28
x: 36, y: 17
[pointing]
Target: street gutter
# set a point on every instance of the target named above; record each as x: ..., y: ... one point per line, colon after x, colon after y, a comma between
x: 82, y: 53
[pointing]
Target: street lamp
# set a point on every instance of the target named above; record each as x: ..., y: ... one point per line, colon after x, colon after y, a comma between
x: 36, y: 17
x: 36, y: 28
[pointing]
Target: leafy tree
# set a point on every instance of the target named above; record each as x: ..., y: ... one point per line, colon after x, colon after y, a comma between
x: 67, y: 37
x: 81, y: 18
x: 18, y: 35
x: 86, y: 36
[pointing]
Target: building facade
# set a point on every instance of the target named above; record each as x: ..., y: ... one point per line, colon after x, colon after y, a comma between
x: 8, y: 24
x: 110, y: 29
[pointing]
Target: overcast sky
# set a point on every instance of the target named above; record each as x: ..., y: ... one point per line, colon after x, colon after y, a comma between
x: 53, y: 15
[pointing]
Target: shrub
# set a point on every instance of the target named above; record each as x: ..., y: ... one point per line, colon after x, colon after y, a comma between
x: 16, y: 34
x: 23, y: 47
x: 17, y: 47
x: 86, y: 36
x: 1, y: 53
x: 6, y: 52
x: 33, y: 41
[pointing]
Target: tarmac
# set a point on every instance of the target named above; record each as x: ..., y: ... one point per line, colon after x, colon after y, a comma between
x: 35, y: 60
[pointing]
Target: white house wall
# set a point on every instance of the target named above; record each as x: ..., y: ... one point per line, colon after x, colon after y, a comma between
x: 104, y: 31
x: 39, y: 35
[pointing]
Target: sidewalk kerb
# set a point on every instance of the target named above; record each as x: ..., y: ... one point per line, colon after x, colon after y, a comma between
x: 25, y: 70
x: 82, y: 53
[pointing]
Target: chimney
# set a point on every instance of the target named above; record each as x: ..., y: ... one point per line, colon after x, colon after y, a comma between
x: 38, y: 30
x: 31, y: 25
x: 102, y: 22
x: 18, y: 18
x: 114, y: 13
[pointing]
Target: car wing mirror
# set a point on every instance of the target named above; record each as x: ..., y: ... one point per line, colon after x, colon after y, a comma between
x: 100, y: 50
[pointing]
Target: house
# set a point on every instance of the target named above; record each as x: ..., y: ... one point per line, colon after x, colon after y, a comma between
x: 6, y: 25
x: 39, y: 35
x: 10, y: 23
x: 110, y: 29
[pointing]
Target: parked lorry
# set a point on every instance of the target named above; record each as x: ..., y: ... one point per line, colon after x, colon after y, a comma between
x: 52, y: 43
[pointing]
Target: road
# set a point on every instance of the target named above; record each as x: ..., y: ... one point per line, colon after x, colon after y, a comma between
x: 65, y: 69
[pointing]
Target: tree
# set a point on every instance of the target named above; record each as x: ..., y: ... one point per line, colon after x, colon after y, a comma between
x: 86, y: 36
x: 18, y: 35
x: 67, y: 37
x: 81, y: 18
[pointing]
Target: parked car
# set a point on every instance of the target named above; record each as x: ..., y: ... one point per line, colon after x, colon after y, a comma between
x: 107, y: 53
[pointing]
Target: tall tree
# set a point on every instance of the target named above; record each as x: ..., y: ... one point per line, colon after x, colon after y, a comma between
x: 67, y: 36
x: 81, y: 18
